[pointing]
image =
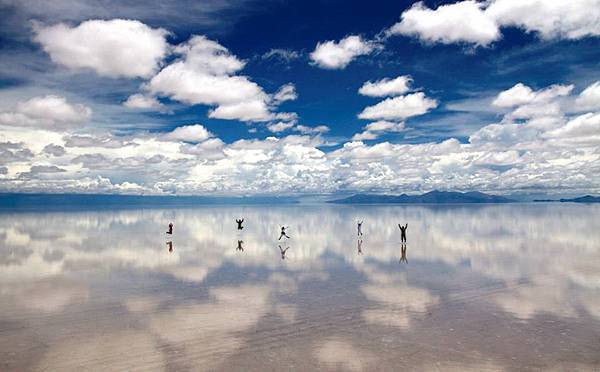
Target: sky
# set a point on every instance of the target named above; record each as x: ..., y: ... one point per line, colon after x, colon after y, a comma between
x: 275, y: 97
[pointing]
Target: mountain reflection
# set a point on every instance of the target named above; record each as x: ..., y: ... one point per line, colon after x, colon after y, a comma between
x: 538, y: 259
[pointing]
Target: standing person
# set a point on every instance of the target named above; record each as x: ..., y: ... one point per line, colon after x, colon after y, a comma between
x: 239, y: 222
x: 403, y: 232
x: 283, y: 233
x: 170, y: 231
x: 240, y: 247
x: 359, y: 228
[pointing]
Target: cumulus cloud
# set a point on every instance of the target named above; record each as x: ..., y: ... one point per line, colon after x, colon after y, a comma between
x: 280, y: 126
x: 375, y: 129
x: 464, y: 21
x: 54, y: 150
x: 534, y: 150
x: 521, y: 94
x: 386, y: 87
x: 140, y: 101
x: 385, y: 126
x: 115, y: 48
x: 49, y: 112
x: 589, y: 99
x: 189, y: 133
x: 549, y: 19
x: 586, y: 127
x: 399, y: 108
x: 480, y: 23
x: 366, y: 135
x: 205, y: 75
x: 14, y: 152
x: 337, y: 55
x: 287, y: 92
x: 319, y: 129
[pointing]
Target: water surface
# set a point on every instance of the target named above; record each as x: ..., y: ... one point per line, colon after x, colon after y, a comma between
x: 493, y: 287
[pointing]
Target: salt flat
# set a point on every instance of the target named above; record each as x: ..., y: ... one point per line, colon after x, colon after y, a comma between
x: 479, y: 287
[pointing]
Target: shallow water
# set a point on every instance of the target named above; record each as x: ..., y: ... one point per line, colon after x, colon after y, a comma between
x: 495, y: 287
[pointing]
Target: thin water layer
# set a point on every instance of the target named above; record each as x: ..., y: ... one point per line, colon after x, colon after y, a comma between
x: 489, y: 287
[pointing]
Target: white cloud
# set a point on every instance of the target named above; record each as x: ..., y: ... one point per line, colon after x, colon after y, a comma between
x: 399, y: 108
x: 386, y: 87
x: 548, y: 150
x: 189, y: 133
x: 50, y: 112
x: 480, y: 23
x: 375, y: 129
x: 319, y: 129
x: 589, y: 99
x: 337, y: 55
x: 286, y: 92
x: 280, y: 126
x: 385, y: 126
x: 530, y: 103
x: 204, y: 76
x: 115, y: 48
x: 550, y: 19
x: 464, y: 21
x: 586, y: 126
x: 285, y: 55
x: 366, y: 135
x: 140, y: 101
x: 517, y: 95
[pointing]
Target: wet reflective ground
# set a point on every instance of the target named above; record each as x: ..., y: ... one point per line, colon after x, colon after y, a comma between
x: 508, y: 287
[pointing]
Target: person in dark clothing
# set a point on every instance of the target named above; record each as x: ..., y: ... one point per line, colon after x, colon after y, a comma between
x: 283, y: 233
x: 403, y: 232
x: 170, y: 246
x: 283, y: 252
x: 359, y: 245
x: 170, y: 231
x: 239, y: 222
x: 240, y: 247
x: 359, y: 228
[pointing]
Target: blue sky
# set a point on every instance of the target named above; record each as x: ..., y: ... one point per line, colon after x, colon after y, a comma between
x: 245, y: 97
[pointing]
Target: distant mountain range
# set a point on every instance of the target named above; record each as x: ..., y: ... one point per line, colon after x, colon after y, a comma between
x: 432, y: 197
x: 583, y: 199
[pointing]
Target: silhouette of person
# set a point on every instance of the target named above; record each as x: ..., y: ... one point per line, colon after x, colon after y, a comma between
x: 239, y: 247
x: 239, y: 222
x: 359, y: 246
x: 403, y: 252
x: 170, y: 245
x: 403, y: 232
x: 170, y: 231
x: 359, y: 228
x: 283, y: 251
x: 283, y: 233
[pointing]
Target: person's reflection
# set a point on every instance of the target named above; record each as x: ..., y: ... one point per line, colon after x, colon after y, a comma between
x: 359, y: 246
x: 240, y: 247
x: 170, y: 245
x: 403, y: 252
x: 283, y: 251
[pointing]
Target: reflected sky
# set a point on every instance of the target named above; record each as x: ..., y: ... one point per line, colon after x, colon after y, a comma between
x: 476, y: 287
